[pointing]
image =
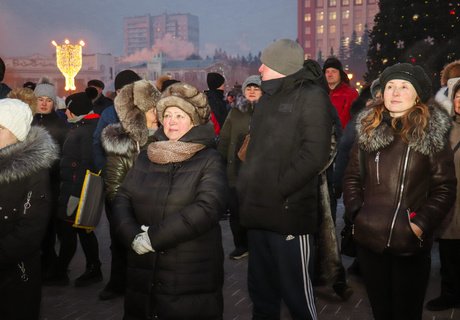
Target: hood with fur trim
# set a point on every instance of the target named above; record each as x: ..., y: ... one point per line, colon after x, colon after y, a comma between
x: 115, y: 140
x: 437, y: 132
x: 131, y: 104
x: 37, y: 152
x: 451, y: 70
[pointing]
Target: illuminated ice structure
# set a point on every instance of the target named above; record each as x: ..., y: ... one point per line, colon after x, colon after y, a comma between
x: 69, y: 61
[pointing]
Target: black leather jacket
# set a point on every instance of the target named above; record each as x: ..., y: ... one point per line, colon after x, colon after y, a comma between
x: 403, y: 182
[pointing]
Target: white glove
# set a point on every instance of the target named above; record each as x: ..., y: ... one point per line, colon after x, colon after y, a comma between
x: 141, y: 243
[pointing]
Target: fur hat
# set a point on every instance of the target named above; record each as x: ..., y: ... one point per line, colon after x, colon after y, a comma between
x: 131, y: 103
x: 333, y: 62
x: 167, y: 83
x: 188, y: 99
x: 159, y: 82
x: 254, y: 79
x: 451, y: 70
x: 412, y: 73
x: 16, y: 116
x: 96, y: 83
x: 125, y: 77
x: 284, y: 56
x: 214, y: 80
x: 45, y: 88
x: 79, y: 103
x: 26, y: 95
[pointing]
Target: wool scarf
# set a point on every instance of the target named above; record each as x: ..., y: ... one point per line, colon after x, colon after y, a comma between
x: 164, y: 152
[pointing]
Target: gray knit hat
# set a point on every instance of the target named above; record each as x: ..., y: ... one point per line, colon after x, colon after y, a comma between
x: 254, y: 79
x: 284, y: 56
x: 188, y: 99
x: 45, y: 88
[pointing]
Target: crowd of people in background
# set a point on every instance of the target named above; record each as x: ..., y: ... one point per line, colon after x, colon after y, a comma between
x: 273, y: 155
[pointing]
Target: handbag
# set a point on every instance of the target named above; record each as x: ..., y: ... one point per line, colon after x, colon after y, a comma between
x: 91, y: 202
x: 244, y: 147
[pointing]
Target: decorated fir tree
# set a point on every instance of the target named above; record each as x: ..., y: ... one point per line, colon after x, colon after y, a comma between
x: 423, y: 32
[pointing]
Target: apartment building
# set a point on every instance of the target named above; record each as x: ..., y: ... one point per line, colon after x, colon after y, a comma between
x: 142, y: 32
x: 324, y: 24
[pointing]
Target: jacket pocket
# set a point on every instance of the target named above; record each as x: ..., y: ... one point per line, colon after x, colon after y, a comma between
x: 404, y: 241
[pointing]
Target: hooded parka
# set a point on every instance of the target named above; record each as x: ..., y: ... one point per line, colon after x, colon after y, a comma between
x: 25, y: 208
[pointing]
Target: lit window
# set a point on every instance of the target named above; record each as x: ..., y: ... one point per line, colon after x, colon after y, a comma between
x: 358, y: 2
x: 359, y: 27
x: 320, y: 16
x: 320, y: 29
x: 345, y: 2
x: 332, y: 3
x: 332, y: 29
x: 333, y: 15
x: 346, y: 14
x: 307, y: 17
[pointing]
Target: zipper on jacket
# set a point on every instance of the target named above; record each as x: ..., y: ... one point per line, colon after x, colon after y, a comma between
x: 27, y: 204
x: 377, y: 161
x: 401, y: 190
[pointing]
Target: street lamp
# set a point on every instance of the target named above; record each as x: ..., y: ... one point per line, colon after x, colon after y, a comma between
x: 69, y: 61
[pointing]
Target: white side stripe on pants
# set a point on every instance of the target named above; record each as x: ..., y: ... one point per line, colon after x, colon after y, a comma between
x: 305, y: 256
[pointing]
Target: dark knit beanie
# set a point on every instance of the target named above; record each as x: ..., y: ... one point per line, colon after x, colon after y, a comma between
x: 91, y: 92
x: 412, y: 73
x: 284, y: 56
x: 96, y: 83
x: 214, y: 80
x: 333, y: 62
x: 125, y: 77
x: 79, y: 103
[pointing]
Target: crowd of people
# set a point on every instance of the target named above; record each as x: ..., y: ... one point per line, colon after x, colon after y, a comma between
x: 274, y: 155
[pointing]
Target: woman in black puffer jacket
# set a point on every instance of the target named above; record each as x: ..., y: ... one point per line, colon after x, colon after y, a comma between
x: 167, y: 214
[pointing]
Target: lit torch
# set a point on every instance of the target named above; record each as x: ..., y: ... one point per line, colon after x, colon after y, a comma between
x: 69, y: 61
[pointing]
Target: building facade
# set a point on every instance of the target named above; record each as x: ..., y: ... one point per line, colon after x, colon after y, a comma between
x: 142, y: 32
x: 323, y: 25
x: 31, y: 68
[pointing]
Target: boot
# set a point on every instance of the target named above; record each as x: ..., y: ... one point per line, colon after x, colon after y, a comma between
x: 91, y: 275
x: 443, y: 302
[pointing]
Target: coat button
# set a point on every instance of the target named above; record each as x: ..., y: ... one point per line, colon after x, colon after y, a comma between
x: 5, y: 217
x: 74, y: 164
x: 286, y: 207
x: 14, y: 209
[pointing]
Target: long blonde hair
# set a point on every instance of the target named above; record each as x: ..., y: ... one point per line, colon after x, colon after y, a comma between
x: 412, y: 123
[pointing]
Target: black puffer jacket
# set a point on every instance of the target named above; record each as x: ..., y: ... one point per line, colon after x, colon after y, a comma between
x: 290, y: 143
x: 181, y: 203
x: 400, y: 178
x: 77, y: 157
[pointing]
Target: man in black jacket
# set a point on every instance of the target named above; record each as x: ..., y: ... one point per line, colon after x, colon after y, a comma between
x: 290, y: 144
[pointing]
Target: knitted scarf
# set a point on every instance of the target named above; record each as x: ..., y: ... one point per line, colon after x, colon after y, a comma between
x: 163, y: 152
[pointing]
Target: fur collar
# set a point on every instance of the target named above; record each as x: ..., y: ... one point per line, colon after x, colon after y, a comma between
x: 115, y: 140
x: 434, y: 140
x: 38, y: 151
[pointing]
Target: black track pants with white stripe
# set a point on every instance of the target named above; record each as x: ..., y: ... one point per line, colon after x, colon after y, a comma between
x: 278, y: 270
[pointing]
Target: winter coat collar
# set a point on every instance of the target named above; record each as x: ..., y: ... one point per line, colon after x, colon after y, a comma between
x: 38, y: 151
x: 116, y: 140
x: 434, y: 140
